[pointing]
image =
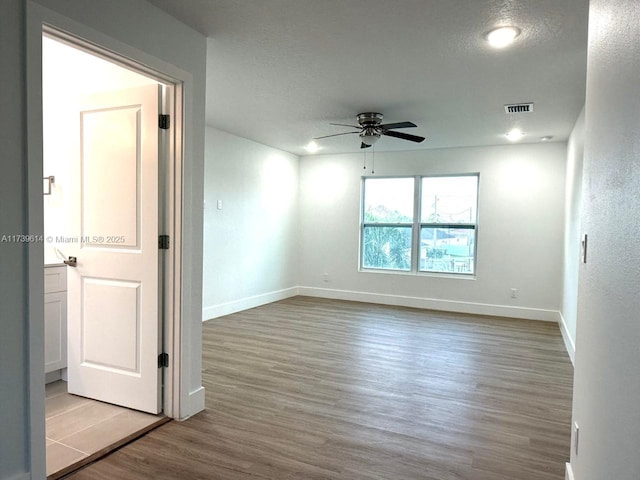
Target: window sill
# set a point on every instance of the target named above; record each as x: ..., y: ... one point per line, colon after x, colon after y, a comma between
x: 457, y: 276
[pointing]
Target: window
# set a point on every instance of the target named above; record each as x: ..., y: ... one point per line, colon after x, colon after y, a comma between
x: 388, y: 223
x: 448, y: 224
x: 420, y: 224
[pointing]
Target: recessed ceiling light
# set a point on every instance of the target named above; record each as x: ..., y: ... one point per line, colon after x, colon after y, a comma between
x: 514, y: 134
x: 502, y: 36
x: 312, y: 147
x: 546, y: 138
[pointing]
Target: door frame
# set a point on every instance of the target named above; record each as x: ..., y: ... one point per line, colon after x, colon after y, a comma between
x: 41, y: 21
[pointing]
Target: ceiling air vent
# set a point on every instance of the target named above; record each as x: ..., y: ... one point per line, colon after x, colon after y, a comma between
x: 519, y: 108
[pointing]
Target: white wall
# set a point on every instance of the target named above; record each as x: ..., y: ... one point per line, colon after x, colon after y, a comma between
x: 251, y: 244
x: 607, y: 367
x: 572, y: 208
x: 520, y: 230
x: 14, y: 414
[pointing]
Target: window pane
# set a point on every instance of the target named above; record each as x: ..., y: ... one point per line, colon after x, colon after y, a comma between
x: 449, y: 199
x: 447, y: 250
x: 388, y: 200
x: 386, y: 247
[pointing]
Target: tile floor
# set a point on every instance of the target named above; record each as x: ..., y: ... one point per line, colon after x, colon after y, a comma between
x: 79, y: 429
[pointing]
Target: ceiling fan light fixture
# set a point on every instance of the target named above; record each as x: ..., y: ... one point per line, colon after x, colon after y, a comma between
x: 502, y: 36
x: 369, y: 138
x: 370, y: 129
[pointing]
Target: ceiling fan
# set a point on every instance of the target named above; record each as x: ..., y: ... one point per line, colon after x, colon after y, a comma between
x: 371, y: 129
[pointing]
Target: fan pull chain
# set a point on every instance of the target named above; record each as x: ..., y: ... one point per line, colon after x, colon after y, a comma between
x: 364, y: 159
x: 373, y: 160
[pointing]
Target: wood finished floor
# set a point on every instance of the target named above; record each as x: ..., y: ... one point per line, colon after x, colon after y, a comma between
x: 321, y: 389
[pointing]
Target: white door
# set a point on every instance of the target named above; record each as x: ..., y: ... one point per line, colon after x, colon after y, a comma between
x: 113, y: 322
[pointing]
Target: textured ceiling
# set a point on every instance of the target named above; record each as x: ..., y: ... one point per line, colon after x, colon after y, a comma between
x: 278, y: 71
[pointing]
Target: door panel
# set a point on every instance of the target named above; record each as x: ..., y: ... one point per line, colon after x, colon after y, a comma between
x: 113, y: 291
x: 110, y: 329
x: 111, y: 175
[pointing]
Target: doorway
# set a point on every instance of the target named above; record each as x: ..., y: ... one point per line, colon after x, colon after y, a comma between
x: 104, y: 207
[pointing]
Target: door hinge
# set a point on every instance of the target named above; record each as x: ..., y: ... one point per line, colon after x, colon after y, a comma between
x: 163, y: 242
x: 164, y: 121
x: 163, y: 360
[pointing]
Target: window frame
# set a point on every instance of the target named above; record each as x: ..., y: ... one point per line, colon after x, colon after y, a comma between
x: 417, y: 225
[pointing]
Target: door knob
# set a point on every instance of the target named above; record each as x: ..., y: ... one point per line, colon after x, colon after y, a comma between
x: 72, y: 262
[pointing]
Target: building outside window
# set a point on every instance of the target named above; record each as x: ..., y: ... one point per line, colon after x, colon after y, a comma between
x: 420, y: 224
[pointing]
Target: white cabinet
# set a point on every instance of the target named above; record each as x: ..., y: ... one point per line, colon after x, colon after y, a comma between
x: 55, y: 318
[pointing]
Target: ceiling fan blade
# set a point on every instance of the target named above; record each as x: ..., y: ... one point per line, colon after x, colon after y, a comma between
x: 364, y: 145
x: 344, y: 125
x: 403, y: 136
x: 389, y: 126
x: 334, y: 135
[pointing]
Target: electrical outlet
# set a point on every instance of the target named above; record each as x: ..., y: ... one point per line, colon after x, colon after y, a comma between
x: 325, y: 277
x: 576, y: 436
x: 514, y: 293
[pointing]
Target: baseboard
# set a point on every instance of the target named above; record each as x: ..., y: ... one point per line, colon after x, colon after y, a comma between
x: 568, y: 341
x: 434, y: 304
x: 195, y: 402
x: 228, y: 308
x: 568, y: 472
x: 50, y: 377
